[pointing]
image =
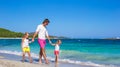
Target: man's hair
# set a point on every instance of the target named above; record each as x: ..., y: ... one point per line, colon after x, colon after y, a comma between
x: 46, y: 20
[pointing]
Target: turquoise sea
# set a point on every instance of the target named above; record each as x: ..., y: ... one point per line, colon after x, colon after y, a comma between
x: 98, y: 51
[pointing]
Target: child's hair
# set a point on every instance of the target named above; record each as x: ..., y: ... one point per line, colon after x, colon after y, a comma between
x: 58, y: 41
x: 25, y: 34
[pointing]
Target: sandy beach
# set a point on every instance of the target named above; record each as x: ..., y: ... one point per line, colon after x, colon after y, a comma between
x: 11, y: 63
x: 9, y: 60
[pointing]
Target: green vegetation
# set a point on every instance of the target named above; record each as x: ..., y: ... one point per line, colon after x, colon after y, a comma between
x: 4, y: 33
x: 9, y: 34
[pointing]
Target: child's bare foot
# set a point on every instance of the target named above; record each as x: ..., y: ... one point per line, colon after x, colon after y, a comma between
x: 23, y: 61
x: 31, y: 61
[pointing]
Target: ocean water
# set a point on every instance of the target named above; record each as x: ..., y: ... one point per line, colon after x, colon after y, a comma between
x: 88, y: 51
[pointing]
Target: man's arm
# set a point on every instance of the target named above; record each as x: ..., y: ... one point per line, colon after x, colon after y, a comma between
x: 48, y: 37
x: 35, y: 34
x: 50, y: 41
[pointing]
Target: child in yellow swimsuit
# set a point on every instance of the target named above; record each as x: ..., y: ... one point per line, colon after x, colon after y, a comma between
x: 25, y: 47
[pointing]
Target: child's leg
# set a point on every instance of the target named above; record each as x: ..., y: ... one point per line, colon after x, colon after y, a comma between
x: 56, y: 59
x: 29, y: 55
x: 23, y: 57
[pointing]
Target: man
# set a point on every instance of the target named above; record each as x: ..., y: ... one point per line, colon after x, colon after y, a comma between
x: 42, y: 34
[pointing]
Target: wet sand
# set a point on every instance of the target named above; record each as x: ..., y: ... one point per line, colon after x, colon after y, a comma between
x: 9, y: 60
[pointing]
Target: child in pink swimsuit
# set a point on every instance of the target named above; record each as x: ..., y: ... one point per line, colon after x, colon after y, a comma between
x: 57, y: 50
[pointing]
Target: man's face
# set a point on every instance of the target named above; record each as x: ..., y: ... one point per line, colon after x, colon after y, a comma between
x: 46, y: 23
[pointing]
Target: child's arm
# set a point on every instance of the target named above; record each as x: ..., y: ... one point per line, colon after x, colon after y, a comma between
x: 52, y: 43
x: 30, y: 41
x: 22, y: 43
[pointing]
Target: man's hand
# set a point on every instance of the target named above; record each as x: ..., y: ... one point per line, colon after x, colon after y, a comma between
x: 32, y: 39
x: 35, y: 34
x: 50, y: 42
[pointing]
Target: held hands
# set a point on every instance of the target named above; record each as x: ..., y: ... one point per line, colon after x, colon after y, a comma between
x: 50, y: 42
x: 32, y: 39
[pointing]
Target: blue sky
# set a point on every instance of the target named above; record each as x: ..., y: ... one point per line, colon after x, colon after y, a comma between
x: 71, y: 18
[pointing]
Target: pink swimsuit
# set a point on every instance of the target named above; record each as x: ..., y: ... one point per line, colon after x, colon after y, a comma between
x: 42, y: 43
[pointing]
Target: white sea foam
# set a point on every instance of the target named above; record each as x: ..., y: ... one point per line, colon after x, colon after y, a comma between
x: 10, y: 38
x: 89, y: 63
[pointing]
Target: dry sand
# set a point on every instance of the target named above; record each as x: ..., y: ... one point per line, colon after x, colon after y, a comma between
x: 10, y: 63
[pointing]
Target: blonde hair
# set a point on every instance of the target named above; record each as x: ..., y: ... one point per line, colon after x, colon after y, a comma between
x: 58, y: 41
x: 25, y: 34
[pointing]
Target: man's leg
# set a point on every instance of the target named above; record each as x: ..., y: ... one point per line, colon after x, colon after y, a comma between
x: 45, y: 52
x: 40, y: 56
x: 44, y: 55
x: 40, y: 53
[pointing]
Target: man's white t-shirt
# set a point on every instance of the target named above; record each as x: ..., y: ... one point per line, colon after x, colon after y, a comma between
x: 42, y: 32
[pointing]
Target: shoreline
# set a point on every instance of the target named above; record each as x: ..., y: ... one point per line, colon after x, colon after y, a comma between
x: 10, y: 38
x: 11, y: 49
x: 62, y: 38
x: 29, y: 38
x: 10, y: 60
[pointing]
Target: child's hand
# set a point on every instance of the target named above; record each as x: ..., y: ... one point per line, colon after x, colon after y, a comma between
x: 30, y: 41
x: 50, y: 42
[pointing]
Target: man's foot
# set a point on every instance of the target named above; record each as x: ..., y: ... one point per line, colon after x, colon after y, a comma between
x: 31, y: 61
x: 40, y: 62
x: 47, y: 62
x: 56, y: 63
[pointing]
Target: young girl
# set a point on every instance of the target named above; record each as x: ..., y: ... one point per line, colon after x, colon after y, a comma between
x: 57, y: 50
x: 25, y: 47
